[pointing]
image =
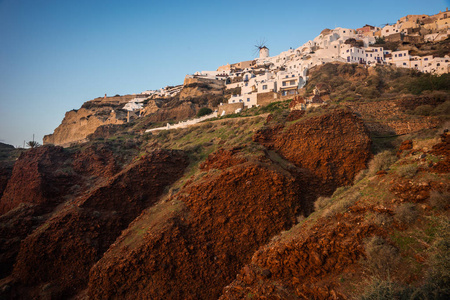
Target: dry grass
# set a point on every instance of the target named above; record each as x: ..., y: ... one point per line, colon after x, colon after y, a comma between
x: 439, y: 200
x: 341, y: 201
x: 406, y: 213
x: 425, y: 145
x: 361, y: 175
x: 407, y: 171
x: 381, y: 257
x: 321, y: 203
x: 380, y: 219
x: 381, y: 161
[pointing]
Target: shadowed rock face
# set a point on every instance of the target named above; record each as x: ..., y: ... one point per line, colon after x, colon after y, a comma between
x: 38, y: 177
x: 63, y: 249
x: 42, y: 179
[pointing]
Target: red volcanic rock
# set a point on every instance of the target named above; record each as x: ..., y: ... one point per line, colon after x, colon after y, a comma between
x: 222, y: 159
x: 296, y: 103
x: 442, y: 148
x: 5, y: 174
x: 15, y: 226
x: 295, y: 115
x: 381, y: 173
x: 96, y: 160
x: 221, y: 220
x: 334, y: 146
x: 301, y: 266
x: 63, y: 250
x: 405, y: 145
x: 39, y: 177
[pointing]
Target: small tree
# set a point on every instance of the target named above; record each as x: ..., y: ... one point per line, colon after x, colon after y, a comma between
x: 380, y: 40
x: 33, y: 144
x: 204, y: 111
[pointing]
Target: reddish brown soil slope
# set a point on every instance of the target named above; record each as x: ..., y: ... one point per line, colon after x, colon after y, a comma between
x: 222, y: 219
x: 299, y: 267
x: 334, y: 146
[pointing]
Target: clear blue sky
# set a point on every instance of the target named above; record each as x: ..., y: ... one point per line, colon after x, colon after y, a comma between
x: 55, y: 55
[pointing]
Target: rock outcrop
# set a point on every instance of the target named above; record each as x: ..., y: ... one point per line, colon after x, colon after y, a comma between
x: 78, y: 124
x: 40, y: 176
x: 196, y: 87
x: 205, y: 233
x: 334, y: 146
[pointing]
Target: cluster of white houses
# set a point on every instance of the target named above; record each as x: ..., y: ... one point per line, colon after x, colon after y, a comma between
x: 269, y: 77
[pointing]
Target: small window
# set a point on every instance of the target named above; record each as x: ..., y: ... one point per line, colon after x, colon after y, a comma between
x: 404, y: 64
x: 248, y: 99
x: 284, y: 83
x: 240, y: 100
x: 426, y: 58
x: 400, y: 55
x: 264, y: 87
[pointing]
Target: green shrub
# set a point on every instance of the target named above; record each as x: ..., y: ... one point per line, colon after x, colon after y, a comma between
x: 423, y: 110
x: 429, y: 82
x: 204, y: 111
x: 442, y: 109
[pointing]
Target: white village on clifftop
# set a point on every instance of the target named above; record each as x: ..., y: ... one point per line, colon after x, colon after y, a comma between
x: 275, y: 78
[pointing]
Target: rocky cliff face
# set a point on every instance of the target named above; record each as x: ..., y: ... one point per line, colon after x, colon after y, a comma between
x: 334, y: 146
x: 364, y: 241
x: 206, y: 232
x: 78, y: 124
x: 40, y: 176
